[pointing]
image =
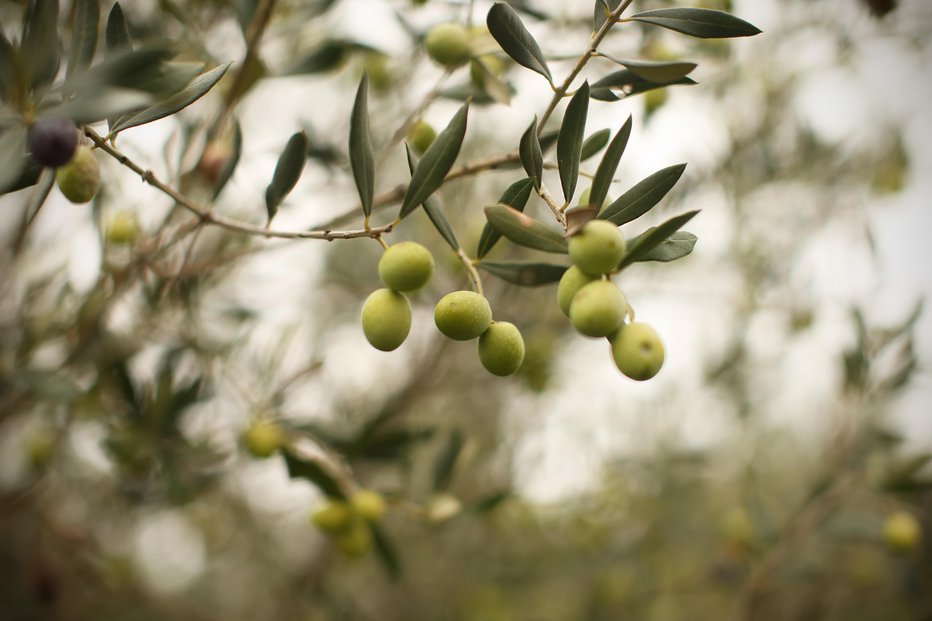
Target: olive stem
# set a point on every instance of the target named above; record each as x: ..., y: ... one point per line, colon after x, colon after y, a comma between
x: 544, y: 193
x: 471, y: 270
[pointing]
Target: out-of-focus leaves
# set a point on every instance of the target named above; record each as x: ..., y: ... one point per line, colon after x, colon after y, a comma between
x: 29, y: 172
x: 436, y: 163
x: 361, y: 151
x: 117, y: 32
x: 312, y: 470
x: 609, y: 164
x: 391, y: 445
x: 677, y: 246
x: 524, y: 230
x: 328, y: 56
x: 7, y: 71
x: 628, y: 83
x: 83, y: 36
x: 490, y: 502
x: 385, y: 550
x: 653, y: 238
x: 532, y: 158
x: 197, y: 89
x: 659, y: 71
x: 12, y: 156
x: 702, y: 23
x: 226, y: 173
x: 492, y: 86
x: 434, y: 209
x: 570, y: 140
x: 514, y: 38
x: 524, y: 274
x: 643, y: 196
x: 903, y: 476
x: 100, y: 104
x: 527, y: 9
x: 594, y: 143
x: 287, y: 172
x: 515, y: 196
x: 40, y: 49
x: 446, y: 461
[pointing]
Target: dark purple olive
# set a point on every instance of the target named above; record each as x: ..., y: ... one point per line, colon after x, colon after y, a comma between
x: 52, y: 142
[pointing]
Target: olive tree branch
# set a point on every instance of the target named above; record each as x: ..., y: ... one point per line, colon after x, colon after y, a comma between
x: 206, y: 217
x: 471, y: 270
x: 561, y: 91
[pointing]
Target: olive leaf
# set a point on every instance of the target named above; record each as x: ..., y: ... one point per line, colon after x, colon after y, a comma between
x: 361, y: 152
x: 385, y: 551
x: 609, y: 164
x: 226, y: 173
x: 506, y: 27
x: 702, y: 23
x: 677, y: 246
x: 117, y: 31
x: 524, y: 274
x: 7, y: 68
x: 603, y: 8
x: 40, y: 51
x: 12, y: 156
x: 515, y: 196
x: 446, y: 460
x: 434, y: 210
x: 570, y: 140
x: 594, y: 143
x: 312, y: 470
x: 659, y: 71
x: 524, y: 230
x: 532, y: 158
x: 83, y: 36
x: 642, y: 245
x: 643, y: 196
x: 627, y: 83
x: 436, y: 162
x: 287, y: 172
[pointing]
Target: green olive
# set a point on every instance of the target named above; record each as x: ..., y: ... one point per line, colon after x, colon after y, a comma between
x: 421, y: 136
x: 598, y: 309
x: 386, y: 319
x: 406, y: 266
x: 462, y: 315
x: 332, y: 517
x: 638, y: 351
x: 263, y: 438
x: 571, y: 282
x: 368, y: 504
x: 598, y: 248
x: 123, y: 227
x: 501, y: 348
x: 356, y: 538
x: 79, y: 179
x: 448, y: 44
x: 902, y: 531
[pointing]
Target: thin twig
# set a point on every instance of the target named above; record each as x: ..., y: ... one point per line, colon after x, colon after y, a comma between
x: 544, y: 193
x: 471, y: 270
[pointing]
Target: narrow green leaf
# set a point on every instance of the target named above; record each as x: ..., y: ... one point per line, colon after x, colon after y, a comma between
x: 328, y: 56
x: 194, y: 91
x: 602, y: 10
x: 515, y: 196
x: 491, y: 501
x: 609, y: 164
x: 391, y: 445
x: 100, y: 104
x: 660, y: 71
x: 527, y: 9
x: 7, y: 69
x: 524, y: 230
x: 117, y: 32
x: 311, y: 470
x: 29, y: 175
x: 361, y: 152
x: 386, y: 552
x: 677, y: 246
x: 514, y: 38
x: 647, y: 242
x: 643, y: 196
x: 702, y: 23
x: 40, y: 49
x: 446, y: 460
x: 594, y: 143
x: 569, y: 142
x: 532, y: 158
x: 434, y: 209
x: 12, y: 156
x: 287, y: 172
x: 524, y: 274
x: 436, y: 163
x: 626, y: 83
x: 226, y: 173
x: 83, y: 36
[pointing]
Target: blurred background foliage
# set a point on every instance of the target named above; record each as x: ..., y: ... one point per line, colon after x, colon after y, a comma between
x: 129, y: 374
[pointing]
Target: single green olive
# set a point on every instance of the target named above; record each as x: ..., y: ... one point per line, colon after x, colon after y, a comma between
x: 263, y: 438
x: 598, y: 248
x: 368, y: 504
x: 902, y: 531
x: 448, y: 44
x: 462, y: 315
x: 406, y: 266
x: 386, y: 319
x: 79, y: 179
x: 332, y: 517
x: 421, y: 136
x: 637, y: 351
x: 598, y: 309
x: 501, y: 349
x: 571, y: 282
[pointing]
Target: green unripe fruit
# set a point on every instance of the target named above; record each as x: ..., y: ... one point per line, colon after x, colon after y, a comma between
x: 902, y: 531
x: 598, y: 309
x: 263, y: 438
x: 421, y: 136
x: 654, y: 99
x: 123, y: 227
x: 406, y: 266
x: 79, y: 179
x: 448, y: 44
x: 598, y: 248
x: 333, y: 517
x: 462, y: 315
x: 368, y: 504
x: 356, y: 539
x: 491, y: 62
x: 584, y: 199
x: 376, y: 67
x: 386, y: 319
x: 638, y: 351
x: 501, y: 349
x: 571, y: 282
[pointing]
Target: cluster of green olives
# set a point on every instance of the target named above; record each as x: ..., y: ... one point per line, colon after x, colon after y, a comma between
x: 597, y: 307
x: 386, y: 313
x: 466, y: 315
x: 350, y: 522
